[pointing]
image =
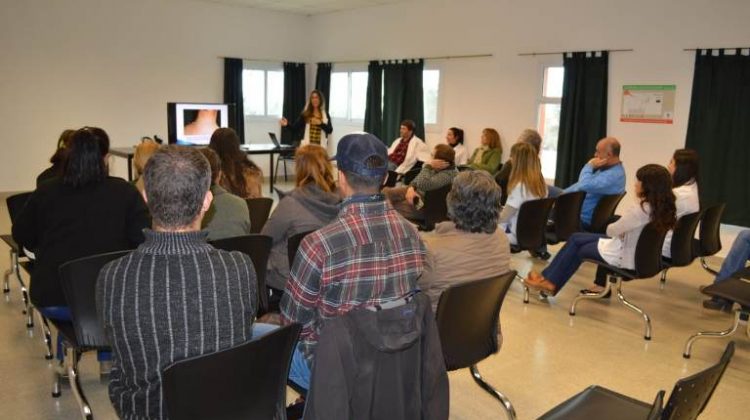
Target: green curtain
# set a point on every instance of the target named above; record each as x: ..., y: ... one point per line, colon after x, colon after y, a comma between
x: 403, y: 97
x: 583, y: 113
x: 719, y: 130
x: 233, y: 95
x: 393, y: 99
x: 294, y: 98
x: 323, y: 81
x: 413, y: 101
x: 374, y: 105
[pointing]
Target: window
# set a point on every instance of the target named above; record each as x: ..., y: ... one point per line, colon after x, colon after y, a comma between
x: 431, y: 87
x: 549, y: 118
x: 263, y: 92
x: 348, y: 95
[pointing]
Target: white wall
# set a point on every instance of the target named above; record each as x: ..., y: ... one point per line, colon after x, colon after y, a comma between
x: 502, y: 91
x: 115, y: 64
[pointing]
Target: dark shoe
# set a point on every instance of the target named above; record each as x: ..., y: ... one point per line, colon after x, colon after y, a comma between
x: 718, y: 305
x: 543, y: 255
x: 703, y: 287
x: 595, y: 292
x: 295, y: 411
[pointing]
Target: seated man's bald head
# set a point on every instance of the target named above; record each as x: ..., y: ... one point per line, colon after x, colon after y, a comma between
x: 609, y: 144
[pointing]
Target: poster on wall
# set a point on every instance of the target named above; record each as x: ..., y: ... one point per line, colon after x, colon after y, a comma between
x: 648, y: 104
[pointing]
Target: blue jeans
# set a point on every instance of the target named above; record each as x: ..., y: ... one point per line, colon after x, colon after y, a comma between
x: 62, y: 313
x: 736, y: 258
x: 299, y: 370
x: 579, y: 246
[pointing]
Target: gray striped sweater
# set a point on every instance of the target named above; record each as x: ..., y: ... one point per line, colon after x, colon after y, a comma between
x: 174, y: 297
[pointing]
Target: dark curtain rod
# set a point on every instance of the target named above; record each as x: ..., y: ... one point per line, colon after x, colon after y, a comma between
x: 699, y: 49
x: 565, y: 52
x: 444, y: 57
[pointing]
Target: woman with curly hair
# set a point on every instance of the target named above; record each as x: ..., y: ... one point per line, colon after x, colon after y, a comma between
x: 239, y: 175
x: 656, y: 204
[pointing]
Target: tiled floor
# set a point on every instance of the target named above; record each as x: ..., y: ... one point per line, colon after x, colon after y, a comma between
x: 546, y: 357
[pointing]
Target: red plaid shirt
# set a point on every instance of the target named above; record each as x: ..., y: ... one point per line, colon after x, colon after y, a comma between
x: 368, y: 255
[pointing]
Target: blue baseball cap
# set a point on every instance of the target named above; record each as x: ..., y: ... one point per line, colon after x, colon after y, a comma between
x: 353, y: 151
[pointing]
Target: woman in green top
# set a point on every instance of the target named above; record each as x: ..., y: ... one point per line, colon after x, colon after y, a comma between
x: 489, y: 155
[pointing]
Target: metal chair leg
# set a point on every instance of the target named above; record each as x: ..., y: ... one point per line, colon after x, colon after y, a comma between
x: 705, y: 266
x: 663, y: 280
x: 6, y: 275
x: 646, y: 319
x: 525, y: 288
x: 75, y: 385
x: 507, y: 406
x: 582, y: 296
x: 57, y: 374
x: 711, y: 334
x: 47, y: 337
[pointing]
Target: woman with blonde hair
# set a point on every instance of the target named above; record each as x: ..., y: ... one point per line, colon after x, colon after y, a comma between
x: 526, y: 183
x: 309, y: 206
x: 312, y: 123
x: 489, y: 155
x: 143, y: 153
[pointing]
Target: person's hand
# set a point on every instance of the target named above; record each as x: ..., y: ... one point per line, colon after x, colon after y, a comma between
x: 315, y: 121
x: 438, y: 164
x: 411, y: 194
x: 283, y: 122
x: 597, y: 162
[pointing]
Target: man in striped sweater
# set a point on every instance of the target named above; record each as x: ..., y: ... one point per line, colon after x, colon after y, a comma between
x: 175, y: 296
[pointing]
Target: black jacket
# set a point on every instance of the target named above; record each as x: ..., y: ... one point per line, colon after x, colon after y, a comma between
x: 298, y: 127
x: 385, y: 364
x: 60, y: 223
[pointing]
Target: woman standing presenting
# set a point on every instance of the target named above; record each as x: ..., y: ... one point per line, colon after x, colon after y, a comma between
x: 314, y: 120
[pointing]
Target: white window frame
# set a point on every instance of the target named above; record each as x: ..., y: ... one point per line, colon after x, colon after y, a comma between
x: 348, y: 69
x: 436, y: 127
x: 544, y: 100
x: 265, y: 67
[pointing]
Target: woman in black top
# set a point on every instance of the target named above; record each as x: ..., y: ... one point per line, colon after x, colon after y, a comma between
x: 313, y: 126
x: 81, y: 213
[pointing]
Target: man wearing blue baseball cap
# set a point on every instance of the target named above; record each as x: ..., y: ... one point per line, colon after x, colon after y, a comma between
x: 367, y: 256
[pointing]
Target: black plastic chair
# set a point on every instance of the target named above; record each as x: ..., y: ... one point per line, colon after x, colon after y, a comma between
x: 531, y: 227
x: 688, y: 399
x: 260, y: 209
x: 596, y: 402
x: 15, y: 205
x: 292, y: 245
x: 85, y: 332
x: 243, y: 382
x: 20, y: 261
x: 734, y: 289
x: 709, y: 242
x: 604, y: 213
x: 469, y: 324
x: 681, y: 248
x: 435, y: 207
x: 566, y: 218
x: 647, y: 264
x: 284, y: 157
x: 258, y: 247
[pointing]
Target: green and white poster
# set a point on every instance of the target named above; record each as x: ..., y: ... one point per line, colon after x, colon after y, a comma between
x: 648, y: 104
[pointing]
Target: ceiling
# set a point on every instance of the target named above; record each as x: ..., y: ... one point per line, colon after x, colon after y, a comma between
x: 306, y: 7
